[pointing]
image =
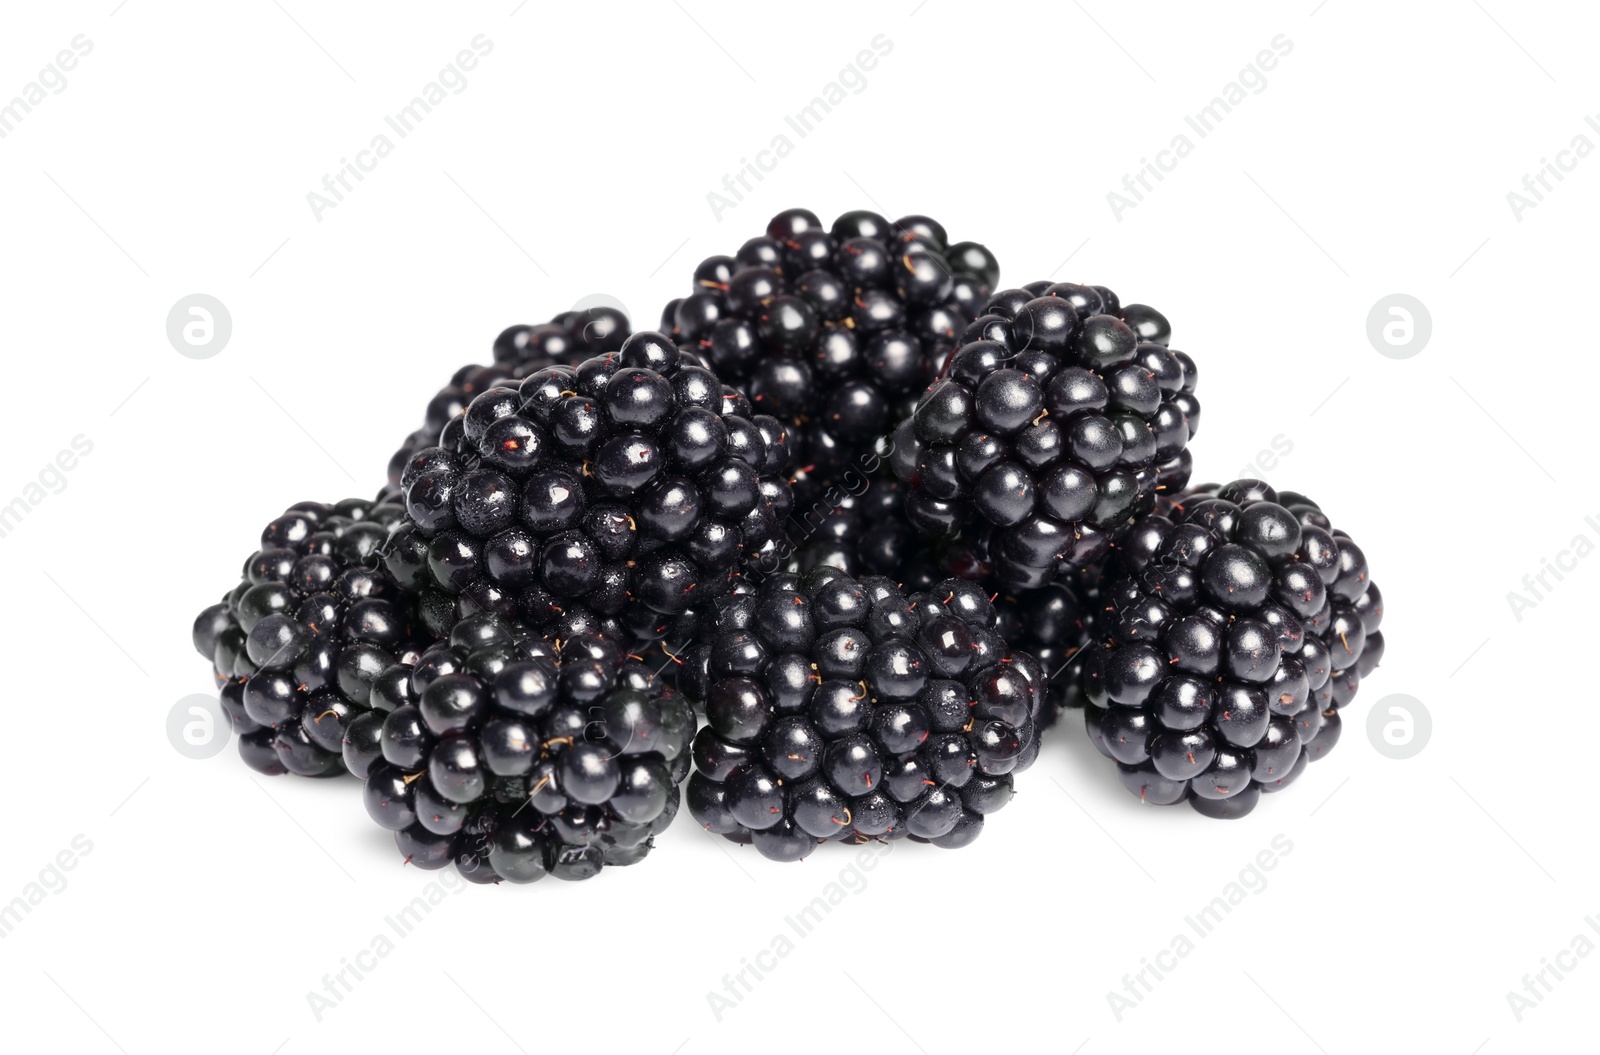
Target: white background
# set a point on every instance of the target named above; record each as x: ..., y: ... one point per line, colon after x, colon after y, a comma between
x: 577, y: 160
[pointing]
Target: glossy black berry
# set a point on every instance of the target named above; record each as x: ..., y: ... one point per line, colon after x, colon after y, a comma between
x: 1221, y: 656
x: 835, y: 331
x: 522, y: 758
x: 844, y: 709
x: 298, y: 645
x: 1052, y: 427
x: 495, y: 432
x: 639, y: 497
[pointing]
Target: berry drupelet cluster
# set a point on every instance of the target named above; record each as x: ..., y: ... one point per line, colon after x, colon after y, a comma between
x: 514, y: 757
x: 1062, y: 416
x: 566, y: 340
x: 840, y: 709
x: 1236, y: 623
x: 297, y: 645
x: 834, y: 331
x: 609, y: 497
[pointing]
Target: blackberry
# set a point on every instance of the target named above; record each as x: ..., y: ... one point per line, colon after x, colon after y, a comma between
x: 1236, y: 624
x: 1058, y: 421
x: 515, y: 758
x: 609, y: 497
x: 834, y: 331
x: 297, y: 645
x: 844, y: 709
x: 566, y: 340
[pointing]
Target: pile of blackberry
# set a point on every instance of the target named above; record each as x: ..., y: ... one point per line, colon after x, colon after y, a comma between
x: 880, y: 524
x: 566, y: 340
x: 834, y: 331
x: 609, y: 498
x: 514, y: 757
x: 1061, y: 418
x: 1236, y: 622
x: 846, y: 710
x: 297, y: 645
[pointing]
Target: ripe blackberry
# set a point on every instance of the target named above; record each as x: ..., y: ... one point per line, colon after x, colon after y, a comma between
x: 297, y: 645
x: 517, y: 758
x: 1236, y: 624
x: 608, y: 497
x: 841, y: 709
x: 834, y: 331
x: 566, y: 340
x: 1058, y: 421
